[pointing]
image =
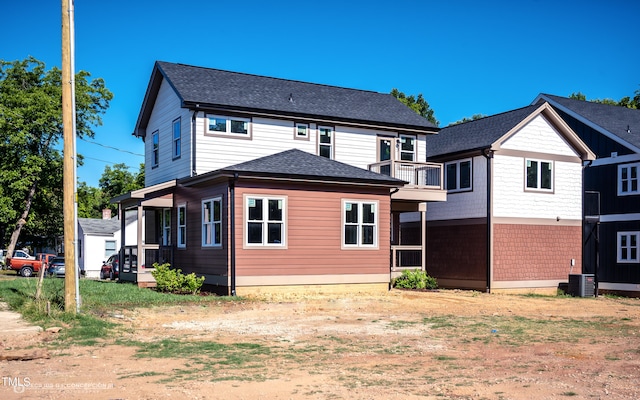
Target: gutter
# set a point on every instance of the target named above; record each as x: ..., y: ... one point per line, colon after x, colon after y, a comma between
x: 488, y: 154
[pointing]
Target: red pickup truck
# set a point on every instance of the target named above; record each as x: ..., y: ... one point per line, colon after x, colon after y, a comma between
x: 26, y: 265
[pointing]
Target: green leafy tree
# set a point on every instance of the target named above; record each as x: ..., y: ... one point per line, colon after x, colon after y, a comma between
x: 417, y: 104
x: 30, y: 131
x: 627, y: 101
x: 118, y: 180
x: 465, y: 119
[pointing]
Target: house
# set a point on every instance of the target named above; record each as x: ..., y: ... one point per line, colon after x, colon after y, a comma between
x: 98, y: 239
x: 259, y: 182
x: 612, y: 191
x: 513, y: 215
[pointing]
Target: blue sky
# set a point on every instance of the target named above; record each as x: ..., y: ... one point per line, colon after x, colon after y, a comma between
x: 465, y: 57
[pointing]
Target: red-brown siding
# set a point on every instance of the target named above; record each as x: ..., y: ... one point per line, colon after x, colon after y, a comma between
x: 457, y: 251
x: 314, y: 228
x: 535, y: 252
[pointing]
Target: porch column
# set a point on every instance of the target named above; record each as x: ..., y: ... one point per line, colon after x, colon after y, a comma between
x: 139, y: 244
x: 422, y: 207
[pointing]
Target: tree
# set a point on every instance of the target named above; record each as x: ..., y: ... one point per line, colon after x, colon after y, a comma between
x: 419, y: 105
x: 465, y: 119
x: 626, y: 101
x: 30, y: 130
x: 114, y: 181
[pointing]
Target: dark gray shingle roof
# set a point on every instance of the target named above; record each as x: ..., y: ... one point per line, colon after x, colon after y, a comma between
x: 614, y: 119
x: 98, y: 226
x: 218, y: 88
x: 475, y: 135
x: 298, y: 164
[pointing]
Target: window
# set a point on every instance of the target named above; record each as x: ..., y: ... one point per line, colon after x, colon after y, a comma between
x: 166, y: 227
x: 407, y: 148
x: 177, y: 135
x: 628, y: 179
x: 360, y: 223
x: 228, y: 125
x: 325, y: 141
x: 182, y: 226
x: 539, y: 175
x: 628, y: 246
x: 265, y: 219
x: 458, y: 175
x: 212, y: 222
x: 109, y: 248
x: 155, y: 155
x: 301, y: 131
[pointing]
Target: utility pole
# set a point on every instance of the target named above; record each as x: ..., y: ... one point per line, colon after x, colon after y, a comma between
x: 68, y: 184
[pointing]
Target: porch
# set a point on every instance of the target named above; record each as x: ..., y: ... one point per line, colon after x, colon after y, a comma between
x: 425, y: 183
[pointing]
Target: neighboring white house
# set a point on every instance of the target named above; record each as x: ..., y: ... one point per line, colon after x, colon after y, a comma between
x: 98, y: 239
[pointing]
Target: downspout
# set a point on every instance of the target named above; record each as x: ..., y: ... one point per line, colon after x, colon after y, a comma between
x: 232, y: 239
x: 488, y: 154
x: 193, y: 142
x: 584, y: 219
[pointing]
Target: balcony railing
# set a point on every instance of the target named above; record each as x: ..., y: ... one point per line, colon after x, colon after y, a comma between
x: 153, y: 253
x: 406, y: 257
x: 423, y: 175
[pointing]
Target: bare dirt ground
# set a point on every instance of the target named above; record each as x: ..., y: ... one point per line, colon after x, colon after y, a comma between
x: 399, y: 345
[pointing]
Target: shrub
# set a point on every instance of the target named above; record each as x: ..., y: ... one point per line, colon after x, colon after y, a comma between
x: 174, y: 281
x: 415, y: 279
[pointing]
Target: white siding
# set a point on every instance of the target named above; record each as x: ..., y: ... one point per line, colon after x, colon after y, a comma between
x: 464, y: 205
x: 166, y: 110
x: 93, y: 253
x: 512, y: 200
x: 539, y: 136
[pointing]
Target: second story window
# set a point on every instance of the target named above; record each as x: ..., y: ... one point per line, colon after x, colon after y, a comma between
x: 325, y: 141
x: 177, y: 137
x: 407, y: 148
x: 539, y: 175
x: 628, y: 179
x: 236, y: 126
x: 155, y: 154
x: 458, y: 175
x: 301, y: 131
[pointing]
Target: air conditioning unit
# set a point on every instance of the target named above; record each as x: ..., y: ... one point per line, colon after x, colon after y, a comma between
x: 582, y: 285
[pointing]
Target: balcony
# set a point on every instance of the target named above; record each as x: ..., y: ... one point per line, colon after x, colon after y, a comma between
x: 424, y: 180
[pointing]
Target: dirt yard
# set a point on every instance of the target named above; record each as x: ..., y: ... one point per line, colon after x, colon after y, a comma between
x: 401, y: 345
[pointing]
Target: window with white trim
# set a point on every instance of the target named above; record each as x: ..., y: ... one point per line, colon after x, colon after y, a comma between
x: 166, y: 227
x: 218, y: 124
x: 629, y: 247
x: 182, y: 226
x: 109, y: 248
x: 177, y: 138
x: 212, y: 222
x: 539, y: 175
x: 628, y: 179
x: 407, y: 148
x: 155, y: 154
x: 360, y: 223
x: 301, y: 131
x: 325, y: 141
x: 458, y: 175
x: 265, y: 221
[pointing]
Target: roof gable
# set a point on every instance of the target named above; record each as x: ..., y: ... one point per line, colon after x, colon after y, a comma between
x: 296, y: 164
x: 491, y: 132
x: 618, y: 123
x: 218, y: 89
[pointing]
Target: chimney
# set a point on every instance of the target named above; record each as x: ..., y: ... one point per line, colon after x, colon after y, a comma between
x: 106, y: 213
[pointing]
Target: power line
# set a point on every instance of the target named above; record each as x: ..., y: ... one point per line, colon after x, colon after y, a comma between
x: 108, y: 162
x: 110, y: 147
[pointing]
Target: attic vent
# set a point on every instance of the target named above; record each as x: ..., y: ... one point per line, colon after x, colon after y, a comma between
x: 291, y: 98
x: 628, y: 129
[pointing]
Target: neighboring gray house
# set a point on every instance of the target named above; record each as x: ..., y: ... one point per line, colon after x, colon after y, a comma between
x: 611, y: 190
